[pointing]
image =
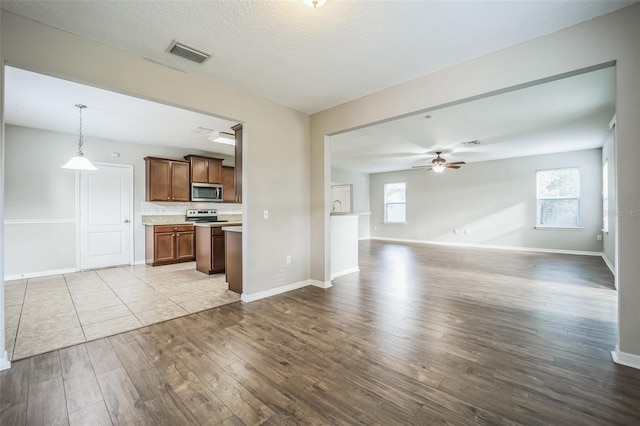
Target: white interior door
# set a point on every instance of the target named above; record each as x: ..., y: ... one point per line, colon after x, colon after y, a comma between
x: 105, y: 216
x: 341, y: 198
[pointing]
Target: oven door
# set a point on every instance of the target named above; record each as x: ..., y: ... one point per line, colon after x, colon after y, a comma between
x: 206, y: 192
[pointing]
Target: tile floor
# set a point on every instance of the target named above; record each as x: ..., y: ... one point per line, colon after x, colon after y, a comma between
x: 43, y: 314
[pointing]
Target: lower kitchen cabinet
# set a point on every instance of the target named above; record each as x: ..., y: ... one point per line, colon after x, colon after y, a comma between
x: 167, y: 244
x: 233, y: 260
x: 209, y: 249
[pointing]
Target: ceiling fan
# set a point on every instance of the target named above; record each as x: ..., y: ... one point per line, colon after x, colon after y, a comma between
x: 438, y: 164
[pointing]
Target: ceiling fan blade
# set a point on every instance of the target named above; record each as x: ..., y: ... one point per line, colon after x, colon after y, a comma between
x: 457, y: 162
x: 421, y: 167
x: 452, y: 167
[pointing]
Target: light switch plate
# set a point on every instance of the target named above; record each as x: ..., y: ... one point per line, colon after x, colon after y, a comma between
x: 266, y: 214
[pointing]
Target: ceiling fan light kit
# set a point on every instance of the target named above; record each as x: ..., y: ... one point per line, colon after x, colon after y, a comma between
x: 438, y: 164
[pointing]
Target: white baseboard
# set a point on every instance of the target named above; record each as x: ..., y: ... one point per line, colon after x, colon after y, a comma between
x: 39, y: 274
x: 609, y: 264
x: 345, y: 272
x: 139, y: 262
x: 363, y: 238
x: 274, y: 291
x: 623, y: 358
x: 490, y: 246
x: 5, y: 364
x: 321, y: 284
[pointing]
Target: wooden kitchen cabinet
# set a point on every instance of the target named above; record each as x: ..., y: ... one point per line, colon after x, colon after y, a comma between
x: 205, y: 169
x: 167, y: 244
x: 228, y: 184
x: 210, y: 249
x: 233, y: 260
x: 238, y: 169
x: 167, y: 180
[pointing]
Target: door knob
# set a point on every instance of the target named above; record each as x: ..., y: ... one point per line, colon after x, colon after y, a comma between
x: 126, y: 221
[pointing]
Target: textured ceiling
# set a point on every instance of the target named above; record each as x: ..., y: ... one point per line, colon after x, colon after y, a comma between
x: 313, y: 59
x: 563, y: 115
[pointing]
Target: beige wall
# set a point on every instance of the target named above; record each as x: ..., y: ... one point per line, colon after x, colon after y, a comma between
x: 4, y: 359
x: 609, y: 238
x: 614, y: 37
x: 276, y: 159
x: 494, y: 201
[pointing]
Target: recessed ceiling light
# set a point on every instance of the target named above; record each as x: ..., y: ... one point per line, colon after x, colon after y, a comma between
x: 223, y: 137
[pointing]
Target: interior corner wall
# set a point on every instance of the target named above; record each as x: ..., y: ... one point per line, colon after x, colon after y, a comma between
x: 491, y: 203
x: 360, y: 195
x: 4, y: 358
x: 276, y: 145
x: 610, y: 38
x: 609, y: 238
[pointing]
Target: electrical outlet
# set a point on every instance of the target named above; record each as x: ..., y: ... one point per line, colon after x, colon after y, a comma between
x: 599, y: 237
x: 266, y: 214
x: 456, y: 231
x: 375, y: 228
x: 466, y: 232
x: 288, y: 260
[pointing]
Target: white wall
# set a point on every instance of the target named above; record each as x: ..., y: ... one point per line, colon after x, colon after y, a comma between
x: 495, y: 201
x: 611, y: 38
x: 344, y: 245
x: 46, y: 193
x: 609, y: 238
x: 360, y: 195
x: 276, y: 138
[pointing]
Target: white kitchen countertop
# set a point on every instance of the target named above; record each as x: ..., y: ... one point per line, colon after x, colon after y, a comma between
x: 232, y: 228
x: 218, y: 224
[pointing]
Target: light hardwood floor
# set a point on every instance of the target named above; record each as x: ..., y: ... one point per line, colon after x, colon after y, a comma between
x: 422, y: 335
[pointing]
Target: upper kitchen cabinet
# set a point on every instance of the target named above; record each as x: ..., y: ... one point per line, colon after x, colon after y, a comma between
x: 238, y: 171
x: 228, y: 184
x: 205, y: 169
x: 167, y: 180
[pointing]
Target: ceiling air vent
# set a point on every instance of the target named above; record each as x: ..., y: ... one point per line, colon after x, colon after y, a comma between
x: 475, y: 142
x: 188, y: 52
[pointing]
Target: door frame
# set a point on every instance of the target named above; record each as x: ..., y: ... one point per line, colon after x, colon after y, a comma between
x: 131, y: 221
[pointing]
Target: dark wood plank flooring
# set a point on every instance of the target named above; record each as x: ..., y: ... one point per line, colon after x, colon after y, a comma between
x: 422, y: 335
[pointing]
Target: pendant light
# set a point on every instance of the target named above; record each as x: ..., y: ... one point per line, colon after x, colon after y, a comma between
x: 80, y: 162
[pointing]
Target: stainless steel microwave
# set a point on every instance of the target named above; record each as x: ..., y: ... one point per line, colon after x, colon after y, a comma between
x: 210, y: 192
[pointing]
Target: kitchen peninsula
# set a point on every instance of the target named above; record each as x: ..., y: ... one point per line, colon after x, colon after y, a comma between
x: 173, y: 239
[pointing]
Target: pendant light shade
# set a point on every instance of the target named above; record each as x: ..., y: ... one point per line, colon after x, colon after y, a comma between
x: 79, y: 161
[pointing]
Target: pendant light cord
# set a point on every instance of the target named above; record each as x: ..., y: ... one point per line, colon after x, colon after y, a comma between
x: 80, y: 140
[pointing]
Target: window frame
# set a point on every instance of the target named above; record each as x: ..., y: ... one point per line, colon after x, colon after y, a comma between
x: 577, y: 197
x: 385, y: 203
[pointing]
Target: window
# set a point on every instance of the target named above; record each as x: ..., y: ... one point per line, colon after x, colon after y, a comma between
x: 558, y: 193
x: 395, y: 204
x: 605, y: 196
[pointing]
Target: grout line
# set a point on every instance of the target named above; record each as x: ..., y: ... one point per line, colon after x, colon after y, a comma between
x: 74, y: 306
x: 15, y: 339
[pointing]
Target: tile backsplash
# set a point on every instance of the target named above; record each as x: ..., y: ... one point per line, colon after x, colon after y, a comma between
x: 151, y: 209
